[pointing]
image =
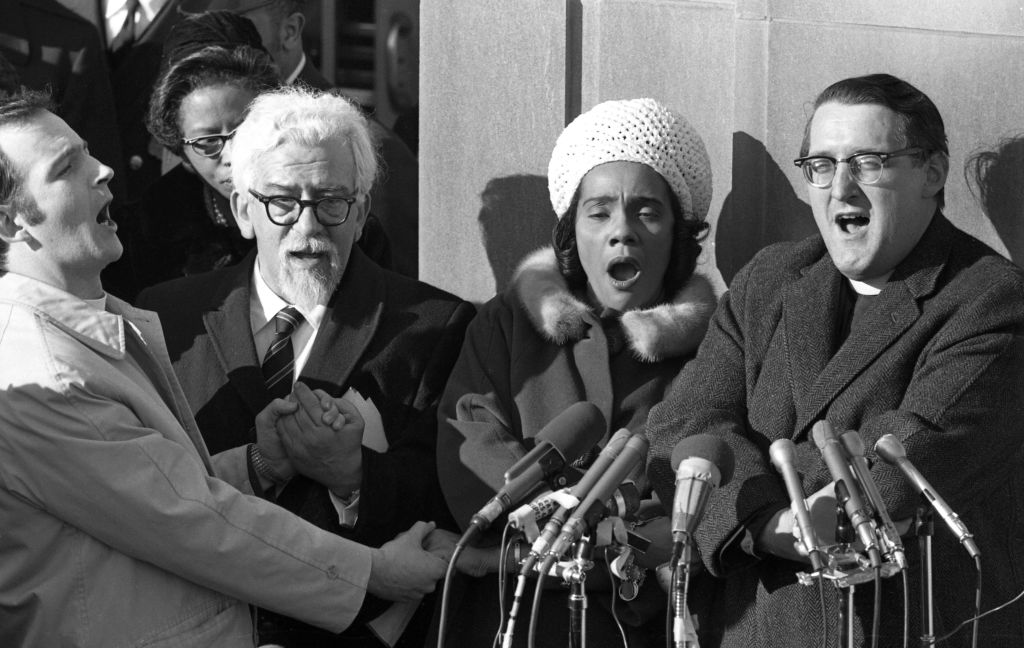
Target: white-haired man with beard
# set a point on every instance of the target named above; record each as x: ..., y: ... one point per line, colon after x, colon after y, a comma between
x: 303, y: 164
x: 117, y: 527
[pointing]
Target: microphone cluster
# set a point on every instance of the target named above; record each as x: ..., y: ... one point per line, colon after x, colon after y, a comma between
x: 861, y: 502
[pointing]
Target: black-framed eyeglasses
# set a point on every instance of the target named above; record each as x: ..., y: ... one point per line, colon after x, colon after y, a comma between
x: 209, y: 145
x: 285, y: 210
x: 866, y: 168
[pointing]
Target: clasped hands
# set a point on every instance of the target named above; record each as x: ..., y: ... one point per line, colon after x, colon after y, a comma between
x: 313, y: 434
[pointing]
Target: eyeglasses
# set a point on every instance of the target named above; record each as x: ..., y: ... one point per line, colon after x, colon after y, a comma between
x: 866, y: 168
x: 285, y: 210
x: 209, y: 145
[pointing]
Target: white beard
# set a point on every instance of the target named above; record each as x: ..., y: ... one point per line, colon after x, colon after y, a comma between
x: 308, y: 287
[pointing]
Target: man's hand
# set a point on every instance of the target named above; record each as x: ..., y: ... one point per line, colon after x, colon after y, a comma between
x: 267, y: 440
x: 473, y: 561
x: 323, y: 439
x: 781, y: 536
x: 402, y: 570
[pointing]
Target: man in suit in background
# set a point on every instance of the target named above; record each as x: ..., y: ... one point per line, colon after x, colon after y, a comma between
x: 890, y: 320
x: 395, y: 196
x: 53, y: 49
x: 132, y: 33
x: 303, y: 164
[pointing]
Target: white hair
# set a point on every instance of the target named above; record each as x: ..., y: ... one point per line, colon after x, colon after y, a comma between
x: 299, y: 115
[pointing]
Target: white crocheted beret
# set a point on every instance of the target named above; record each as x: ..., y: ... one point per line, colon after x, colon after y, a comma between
x: 632, y: 130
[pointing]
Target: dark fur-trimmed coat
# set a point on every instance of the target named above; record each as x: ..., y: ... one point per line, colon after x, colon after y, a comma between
x: 530, y: 353
x: 937, y: 360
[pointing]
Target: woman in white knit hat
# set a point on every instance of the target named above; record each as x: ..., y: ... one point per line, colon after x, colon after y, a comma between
x: 608, y: 315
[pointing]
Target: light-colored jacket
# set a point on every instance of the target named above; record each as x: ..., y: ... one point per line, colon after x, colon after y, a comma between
x: 114, y: 530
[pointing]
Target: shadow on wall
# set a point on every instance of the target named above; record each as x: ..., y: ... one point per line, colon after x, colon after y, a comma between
x: 515, y: 219
x: 996, y: 178
x: 761, y: 209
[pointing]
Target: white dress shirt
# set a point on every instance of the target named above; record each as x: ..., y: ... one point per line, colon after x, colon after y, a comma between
x: 114, y: 12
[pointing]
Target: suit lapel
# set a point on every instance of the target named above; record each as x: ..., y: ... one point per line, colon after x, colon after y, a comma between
x: 353, y: 316
x: 809, y: 307
x: 896, y: 309
x: 228, y: 325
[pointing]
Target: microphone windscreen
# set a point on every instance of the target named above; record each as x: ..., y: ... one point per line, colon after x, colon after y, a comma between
x: 709, y: 448
x: 576, y: 430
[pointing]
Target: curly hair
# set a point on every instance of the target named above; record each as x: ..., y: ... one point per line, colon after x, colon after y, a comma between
x: 686, y: 237
x: 241, y: 66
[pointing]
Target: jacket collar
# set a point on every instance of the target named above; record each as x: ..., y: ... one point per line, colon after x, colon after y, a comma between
x: 668, y: 330
x: 100, y: 330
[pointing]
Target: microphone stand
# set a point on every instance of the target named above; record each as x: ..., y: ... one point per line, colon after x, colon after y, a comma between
x: 924, y: 526
x: 680, y: 592
x: 845, y: 536
x: 576, y: 576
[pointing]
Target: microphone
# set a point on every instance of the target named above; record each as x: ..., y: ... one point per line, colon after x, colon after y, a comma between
x: 835, y: 456
x: 566, y: 499
x: 702, y: 463
x: 592, y: 508
x: 893, y: 453
x: 783, y: 456
x: 890, y: 535
x: 567, y: 436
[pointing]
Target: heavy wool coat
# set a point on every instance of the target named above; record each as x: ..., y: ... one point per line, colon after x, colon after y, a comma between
x: 532, y: 352
x: 392, y: 339
x: 937, y: 360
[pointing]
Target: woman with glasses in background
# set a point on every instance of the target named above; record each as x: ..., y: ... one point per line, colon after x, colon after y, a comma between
x: 214, y: 66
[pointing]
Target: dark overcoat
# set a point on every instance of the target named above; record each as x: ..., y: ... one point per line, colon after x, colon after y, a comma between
x: 937, y: 360
x: 392, y: 339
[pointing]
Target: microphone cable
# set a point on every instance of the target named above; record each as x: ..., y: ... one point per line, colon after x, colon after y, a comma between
x: 978, y: 616
x: 506, y: 544
x: 445, y: 591
x: 906, y: 609
x: 876, y: 612
x: 531, y: 636
x: 615, y: 596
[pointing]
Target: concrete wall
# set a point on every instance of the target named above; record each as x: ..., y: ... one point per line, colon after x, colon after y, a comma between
x: 499, y: 79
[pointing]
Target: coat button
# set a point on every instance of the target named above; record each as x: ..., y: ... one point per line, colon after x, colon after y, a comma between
x: 135, y: 162
x: 332, y: 573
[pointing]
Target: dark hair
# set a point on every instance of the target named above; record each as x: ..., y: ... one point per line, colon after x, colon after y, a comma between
x: 17, y: 108
x: 242, y: 66
x: 686, y: 237
x: 918, y: 120
x: 196, y: 31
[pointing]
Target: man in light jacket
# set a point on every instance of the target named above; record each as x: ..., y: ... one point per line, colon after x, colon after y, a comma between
x: 116, y: 525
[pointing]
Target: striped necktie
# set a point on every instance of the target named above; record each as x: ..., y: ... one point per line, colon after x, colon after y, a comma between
x: 279, y: 361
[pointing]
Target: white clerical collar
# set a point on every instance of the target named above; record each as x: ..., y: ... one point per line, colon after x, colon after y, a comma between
x: 869, y: 289
x: 270, y: 303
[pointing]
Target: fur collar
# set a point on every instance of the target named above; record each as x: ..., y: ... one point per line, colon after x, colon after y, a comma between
x: 668, y: 330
